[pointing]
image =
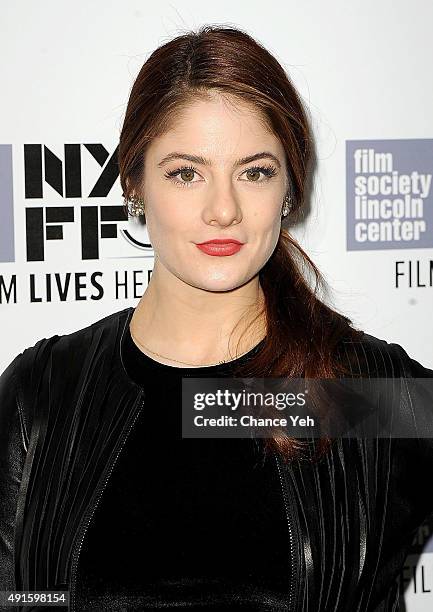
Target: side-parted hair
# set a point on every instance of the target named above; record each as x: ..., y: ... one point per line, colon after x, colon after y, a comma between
x: 303, y: 333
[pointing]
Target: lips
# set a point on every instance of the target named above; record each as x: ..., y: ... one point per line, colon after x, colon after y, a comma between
x: 220, y: 247
x: 221, y: 241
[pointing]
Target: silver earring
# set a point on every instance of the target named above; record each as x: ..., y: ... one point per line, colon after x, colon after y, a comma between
x: 287, y: 205
x: 135, y: 205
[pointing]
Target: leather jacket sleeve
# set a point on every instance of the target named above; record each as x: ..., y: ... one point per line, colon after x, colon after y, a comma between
x: 13, y: 447
x: 409, y: 501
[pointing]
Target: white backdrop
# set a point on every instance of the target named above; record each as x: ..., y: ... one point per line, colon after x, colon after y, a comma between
x: 364, y: 71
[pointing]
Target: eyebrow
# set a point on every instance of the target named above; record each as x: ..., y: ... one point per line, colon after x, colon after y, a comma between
x: 198, y: 159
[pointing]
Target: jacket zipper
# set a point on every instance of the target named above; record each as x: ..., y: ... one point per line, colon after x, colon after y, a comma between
x: 291, y: 539
x: 84, y: 526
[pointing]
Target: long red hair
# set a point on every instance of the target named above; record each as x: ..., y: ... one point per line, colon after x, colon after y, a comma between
x: 303, y: 333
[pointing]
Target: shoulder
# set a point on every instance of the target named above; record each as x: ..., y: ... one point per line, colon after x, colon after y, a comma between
x: 71, y: 346
x: 407, y: 406
x: 370, y: 356
x: 58, y: 355
x: 78, y: 339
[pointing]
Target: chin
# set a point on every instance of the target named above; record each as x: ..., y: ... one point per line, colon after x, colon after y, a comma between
x: 223, y: 283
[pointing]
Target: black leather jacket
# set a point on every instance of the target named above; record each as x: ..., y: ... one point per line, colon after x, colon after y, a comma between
x: 66, y: 408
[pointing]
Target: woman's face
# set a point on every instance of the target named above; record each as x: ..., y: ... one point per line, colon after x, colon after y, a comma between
x: 218, y: 196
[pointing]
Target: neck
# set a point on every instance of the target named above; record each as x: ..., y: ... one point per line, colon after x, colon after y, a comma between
x: 193, y: 325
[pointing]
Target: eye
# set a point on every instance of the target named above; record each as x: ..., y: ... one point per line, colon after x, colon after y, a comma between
x: 185, y: 172
x: 254, y: 172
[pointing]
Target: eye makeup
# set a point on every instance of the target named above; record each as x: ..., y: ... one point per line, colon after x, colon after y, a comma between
x: 269, y: 171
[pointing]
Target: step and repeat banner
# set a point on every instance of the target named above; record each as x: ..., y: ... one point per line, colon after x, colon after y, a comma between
x: 68, y: 256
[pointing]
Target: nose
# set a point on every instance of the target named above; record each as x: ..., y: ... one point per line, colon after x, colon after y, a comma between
x: 223, y: 209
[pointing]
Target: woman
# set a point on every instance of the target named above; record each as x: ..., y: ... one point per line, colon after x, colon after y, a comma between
x: 100, y: 494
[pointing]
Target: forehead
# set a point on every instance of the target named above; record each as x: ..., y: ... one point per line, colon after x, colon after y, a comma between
x: 218, y: 127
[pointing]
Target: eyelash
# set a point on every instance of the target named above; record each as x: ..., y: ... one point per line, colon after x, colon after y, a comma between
x: 268, y: 171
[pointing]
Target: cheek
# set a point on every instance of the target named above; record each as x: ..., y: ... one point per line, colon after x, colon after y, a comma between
x: 272, y: 239
x: 268, y: 229
x: 168, y: 226
x: 268, y: 240
x: 163, y: 215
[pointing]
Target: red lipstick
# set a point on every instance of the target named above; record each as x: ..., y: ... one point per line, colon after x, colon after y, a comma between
x: 220, y: 247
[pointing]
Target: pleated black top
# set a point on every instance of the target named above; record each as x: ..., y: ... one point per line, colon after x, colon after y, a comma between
x: 184, y: 523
